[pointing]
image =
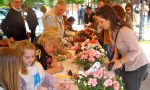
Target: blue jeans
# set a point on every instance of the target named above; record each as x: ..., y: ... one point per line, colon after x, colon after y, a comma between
x: 133, y: 79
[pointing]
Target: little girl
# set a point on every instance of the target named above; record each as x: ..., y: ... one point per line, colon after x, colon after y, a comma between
x: 32, y: 71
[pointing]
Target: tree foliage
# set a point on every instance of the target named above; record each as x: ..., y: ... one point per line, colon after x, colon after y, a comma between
x: 30, y: 3
x: 4, y: 2
x: 75, y: 1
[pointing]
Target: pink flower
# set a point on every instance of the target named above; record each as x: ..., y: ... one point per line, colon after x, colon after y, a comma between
x: 92, y: 81
x: 86, y: 73
x: 91, y: 59
x: 116, y: 85
x: 105, y: 77
x: 97, y: 52
x: 84, y: 56
x: 98, y: 74
x: 97, y: 56
x: 90, y: 53
x: 108, y: 82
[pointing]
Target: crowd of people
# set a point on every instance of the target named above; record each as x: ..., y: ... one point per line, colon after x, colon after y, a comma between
x: 29, y: 65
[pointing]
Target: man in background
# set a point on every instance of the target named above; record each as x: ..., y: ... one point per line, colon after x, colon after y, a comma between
x: 54, y: 18
x: 32, y: 21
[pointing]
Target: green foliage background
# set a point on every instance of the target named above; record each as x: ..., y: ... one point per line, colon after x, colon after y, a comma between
x: 51, y: 3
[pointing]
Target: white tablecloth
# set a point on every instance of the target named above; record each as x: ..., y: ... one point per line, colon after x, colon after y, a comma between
x: 68, y: 65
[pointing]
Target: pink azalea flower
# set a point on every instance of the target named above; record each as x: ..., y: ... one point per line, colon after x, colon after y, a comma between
x: 98, y: 74
x: 84, y: 56
x: 116, y: 85
x: 92, y: 82
x: 108, y: 82
x: 105, y: 77
x: 86, y: 73
x: 97, y: 56
x: 90, y: 52
x: 91, y: 59
x: 97, y: 52
x: 91, y: 55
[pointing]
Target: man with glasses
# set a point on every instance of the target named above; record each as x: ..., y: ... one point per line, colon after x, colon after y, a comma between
x: 13, y: 25
x: 54, y: 18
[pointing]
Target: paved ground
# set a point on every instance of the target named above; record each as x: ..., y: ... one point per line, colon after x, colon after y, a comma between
x: 146, y: 83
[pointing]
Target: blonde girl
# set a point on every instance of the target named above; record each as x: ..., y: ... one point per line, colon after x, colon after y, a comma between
x: 31, y: 71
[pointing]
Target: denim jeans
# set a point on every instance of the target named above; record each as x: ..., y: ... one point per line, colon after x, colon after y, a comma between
x: 133, y: 79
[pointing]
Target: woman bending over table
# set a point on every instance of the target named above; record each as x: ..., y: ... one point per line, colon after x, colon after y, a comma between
x: 51, y: 51
x: 128, y: 51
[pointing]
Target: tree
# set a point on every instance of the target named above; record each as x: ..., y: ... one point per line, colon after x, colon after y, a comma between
x: 4, y: 2
x: 75, y: 1
x: 30, y: 3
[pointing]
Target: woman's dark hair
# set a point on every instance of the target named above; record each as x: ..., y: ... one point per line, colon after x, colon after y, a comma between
x: 120, y: 11
x: 108, y: 13
x: 71, y: 19
x: 130, y: 6
x: 88, y: 8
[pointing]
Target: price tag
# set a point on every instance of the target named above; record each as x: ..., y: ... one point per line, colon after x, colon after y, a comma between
x: 94, y: 68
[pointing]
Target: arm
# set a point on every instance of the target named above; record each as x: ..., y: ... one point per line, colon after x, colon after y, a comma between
x: 5, y: 26
x: 54, y: 69
x: 129, y: 39
x: 52, y: 83
x: 54, y: 62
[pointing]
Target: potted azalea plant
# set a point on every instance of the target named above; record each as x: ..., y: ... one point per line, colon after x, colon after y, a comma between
x: 85, y: 34
x: 99, y: 80
x: 89, y: 44
x: 88, y: 57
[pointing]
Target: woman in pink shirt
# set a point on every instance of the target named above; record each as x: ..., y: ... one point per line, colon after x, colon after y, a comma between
x: 127, y: 47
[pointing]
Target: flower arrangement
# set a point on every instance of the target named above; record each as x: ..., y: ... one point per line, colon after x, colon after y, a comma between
x: 99, y: 80
x: 87, y: 33
x: 89, y: 44
x: 88, y: 57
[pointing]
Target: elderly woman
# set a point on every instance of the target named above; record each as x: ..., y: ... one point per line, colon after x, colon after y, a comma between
x: 50, y: 50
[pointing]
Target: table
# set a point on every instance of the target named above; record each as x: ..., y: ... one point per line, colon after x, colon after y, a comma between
x: 68, y: 65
